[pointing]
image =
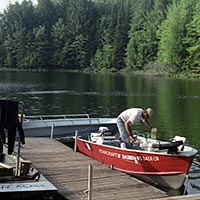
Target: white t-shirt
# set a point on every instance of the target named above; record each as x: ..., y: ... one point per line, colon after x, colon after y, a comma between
x: 132, y: 114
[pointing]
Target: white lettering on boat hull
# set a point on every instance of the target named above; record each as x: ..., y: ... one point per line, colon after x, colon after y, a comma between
x: 136, y: 159
x: 109, y: 153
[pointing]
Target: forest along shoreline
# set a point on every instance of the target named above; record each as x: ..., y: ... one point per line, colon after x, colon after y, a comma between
x: 112, y: 36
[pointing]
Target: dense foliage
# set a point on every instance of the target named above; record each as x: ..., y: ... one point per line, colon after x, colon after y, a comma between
x: 161, y: 35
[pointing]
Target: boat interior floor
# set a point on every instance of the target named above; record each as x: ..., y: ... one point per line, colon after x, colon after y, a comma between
x: 141, y: 143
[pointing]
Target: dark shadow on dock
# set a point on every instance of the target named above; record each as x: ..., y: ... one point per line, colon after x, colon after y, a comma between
x: 60, y: 197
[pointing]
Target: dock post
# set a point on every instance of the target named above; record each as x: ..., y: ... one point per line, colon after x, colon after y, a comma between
x: 90, y: 182
x: 186, y: 185
x: 17, y: 172
x: 75, y: 141
x: 52, y: 131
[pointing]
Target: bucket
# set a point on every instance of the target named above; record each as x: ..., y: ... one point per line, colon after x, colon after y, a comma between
x: 154, y: 133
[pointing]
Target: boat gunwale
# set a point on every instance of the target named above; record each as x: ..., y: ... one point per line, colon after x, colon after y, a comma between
x: 143, y: 151
x: 64, y: 116
x: 48, y: 123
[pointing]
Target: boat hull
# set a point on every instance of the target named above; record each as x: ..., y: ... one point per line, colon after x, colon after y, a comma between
x: 173, y: 181
x: 162, y: 169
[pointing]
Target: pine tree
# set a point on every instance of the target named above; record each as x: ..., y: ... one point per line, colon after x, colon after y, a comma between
x: 135, y: 48
x: 121, y: 36
x: 193, y: 41
x: 172, y: 48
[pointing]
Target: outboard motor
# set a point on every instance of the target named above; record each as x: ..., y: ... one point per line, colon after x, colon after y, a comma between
x: 95, y: 136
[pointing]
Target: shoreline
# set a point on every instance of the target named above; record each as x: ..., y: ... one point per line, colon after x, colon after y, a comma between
x: 108, y: 71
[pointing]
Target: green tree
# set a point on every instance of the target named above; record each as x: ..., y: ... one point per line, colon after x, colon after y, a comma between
x: 121, y: 35
x: 2, y: 44
x: 172, y: 48
x: 46, y: 13
x: 106, y: 29
x: 135, y: 48
x: 193, y: 41
x: 113, y: 28
x: 18, y: 22
x: 59, y: 39
x: 143, y: 43
x: 38, y: 55
x: 153, y: 20
x: 81, y: 31
x: 103, y: 58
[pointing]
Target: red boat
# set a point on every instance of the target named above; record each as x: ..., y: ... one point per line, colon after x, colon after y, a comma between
x: 159, y: 162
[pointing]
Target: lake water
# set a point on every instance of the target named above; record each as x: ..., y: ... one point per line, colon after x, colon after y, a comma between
x: 176, y: 102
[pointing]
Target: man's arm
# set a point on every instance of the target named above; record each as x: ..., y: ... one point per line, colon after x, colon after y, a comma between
x: 128, y: 129
x: 146, y: 122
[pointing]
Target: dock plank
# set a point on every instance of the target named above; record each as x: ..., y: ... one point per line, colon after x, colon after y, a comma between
x: 68, y: 171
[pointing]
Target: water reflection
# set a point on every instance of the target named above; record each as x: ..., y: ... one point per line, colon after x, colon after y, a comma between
x: 191, y: 97
x: 193, y: 185
x: 75, y: 93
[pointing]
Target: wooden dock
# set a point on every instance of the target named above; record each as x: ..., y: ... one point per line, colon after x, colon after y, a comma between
x: 68, y: 171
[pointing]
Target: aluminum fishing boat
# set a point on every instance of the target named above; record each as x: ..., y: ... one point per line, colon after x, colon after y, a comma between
x: 162, y: 163
x: 64, y: 125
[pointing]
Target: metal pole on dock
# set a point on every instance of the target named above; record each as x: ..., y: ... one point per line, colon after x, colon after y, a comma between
x: 52, y: 130
x: 17, y: 172
x: 75, y: 141
x: 90, y: 182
